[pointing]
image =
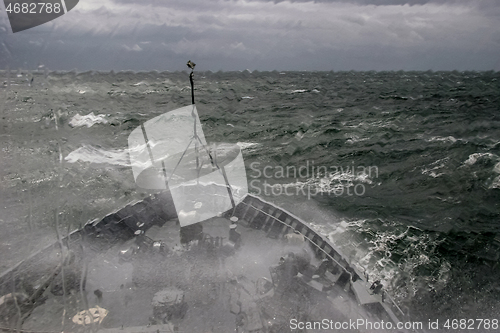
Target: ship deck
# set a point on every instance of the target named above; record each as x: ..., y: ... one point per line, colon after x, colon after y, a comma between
x: 137, y: 270
x: 224, y: 289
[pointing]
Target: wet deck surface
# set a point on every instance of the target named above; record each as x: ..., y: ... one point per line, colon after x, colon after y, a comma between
x: 224, y: 290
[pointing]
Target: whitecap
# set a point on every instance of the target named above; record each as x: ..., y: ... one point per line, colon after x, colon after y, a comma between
x: 496, y: 169
x: 93, y: 154
x: 299, y: 91
x: 449, y: 139
x: 246, y: 145
x: 338, y: 183
x: 434, y: 167
x: 474, y: 157
x: 87, y: 120
x: 495, y: 183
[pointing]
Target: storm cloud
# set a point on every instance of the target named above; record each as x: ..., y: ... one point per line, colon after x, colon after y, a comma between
x: 262, y: 35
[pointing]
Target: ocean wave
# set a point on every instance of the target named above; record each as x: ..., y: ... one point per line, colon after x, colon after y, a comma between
x: 496, y: 168
x: 141, y: 83
x: 495, y: 183
x: 336, y: 183
x: 354, y: 138
x: 98, y: 155
x: 247, y: 145
x: 403, y: 258
x: 72, y: 88
x: 473, y: 158
x: 448, y: 139
x: 432, y: 169
x: 120, y: 157
x: 88, y: 120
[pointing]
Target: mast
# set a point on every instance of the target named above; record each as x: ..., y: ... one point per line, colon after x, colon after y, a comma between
x: 191, y: 65
x: 163, y: 158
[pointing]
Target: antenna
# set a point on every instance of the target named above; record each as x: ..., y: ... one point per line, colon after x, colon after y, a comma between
x: 191, y: 65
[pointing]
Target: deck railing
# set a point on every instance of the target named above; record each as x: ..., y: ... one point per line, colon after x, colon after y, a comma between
x: 309, y: 238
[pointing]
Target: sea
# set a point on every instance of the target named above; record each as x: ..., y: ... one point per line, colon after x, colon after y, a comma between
x: 400, y: 170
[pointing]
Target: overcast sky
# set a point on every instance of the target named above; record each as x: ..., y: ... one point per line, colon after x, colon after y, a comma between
x: 261, y: 35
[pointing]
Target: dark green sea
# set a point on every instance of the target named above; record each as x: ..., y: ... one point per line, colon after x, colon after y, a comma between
x: 400, y: 169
